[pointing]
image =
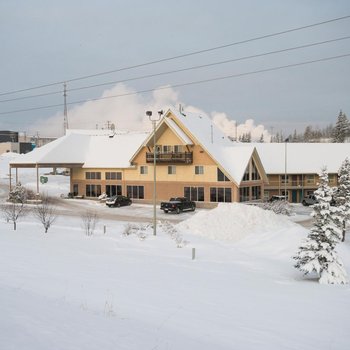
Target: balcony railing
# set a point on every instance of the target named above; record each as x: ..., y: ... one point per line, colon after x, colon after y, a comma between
x: 170, y: 157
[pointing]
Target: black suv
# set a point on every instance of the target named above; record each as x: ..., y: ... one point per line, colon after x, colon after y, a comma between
x: 118, y: 201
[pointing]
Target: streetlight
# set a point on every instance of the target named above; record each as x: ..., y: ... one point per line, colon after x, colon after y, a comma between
x: 154, y: 121
x: 285, y: 168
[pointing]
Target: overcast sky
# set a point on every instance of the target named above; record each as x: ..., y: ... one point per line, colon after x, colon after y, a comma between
x: 52, y: 41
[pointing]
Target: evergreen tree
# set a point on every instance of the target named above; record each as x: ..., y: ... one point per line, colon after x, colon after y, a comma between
x: 308, y: 133
x: 342, y: 194
x: 316, y: 253
x: 262, y: 138
x: 341, y: 129
x: 18, y: 194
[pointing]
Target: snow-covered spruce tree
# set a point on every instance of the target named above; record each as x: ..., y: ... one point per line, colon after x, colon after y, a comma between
x: 341, y: 129
x: 342, y: 194
x: 316, y: 253
x: 18, y: 194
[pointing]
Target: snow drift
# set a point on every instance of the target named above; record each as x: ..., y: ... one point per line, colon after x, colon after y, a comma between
x: 234, y: 221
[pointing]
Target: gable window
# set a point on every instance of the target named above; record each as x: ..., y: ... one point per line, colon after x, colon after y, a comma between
x: 194, y: 193
x: 255, y: 172
x: 246, y: 174
x: 221, y: 176
x: 199, y: 169
x: 113, y: 175
x: 143, y: 169
x: 171, y: 169
x: 92, y: 175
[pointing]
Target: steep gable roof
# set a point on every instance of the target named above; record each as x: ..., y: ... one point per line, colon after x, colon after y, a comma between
x: 230, y: 157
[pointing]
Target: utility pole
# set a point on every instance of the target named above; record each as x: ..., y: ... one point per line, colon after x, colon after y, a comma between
x: 154, y: 121
x: 65, y: 113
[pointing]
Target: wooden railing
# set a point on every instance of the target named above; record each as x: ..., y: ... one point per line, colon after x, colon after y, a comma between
x: 170, y: 157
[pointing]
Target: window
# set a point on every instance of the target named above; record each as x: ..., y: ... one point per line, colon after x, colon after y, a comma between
x: 256, y: 192
x: 143, y: 169
x: 194, y: 193
x: 286, y: 194
x: 112, y: 190
x: 310, y: 179
x: 332, y: 178
x: 178, y: 149
x: 136, y: 192
x: 199, y: 169
x: 92, y: 175
x: 284, y: 179
x: 113, y: 175
x: 255, y: 172
x: 246, y: 174
x: 221, y: 176
x: 93, y: 190
x: 75, y: 189
x: 244, y: 194
x: 171, y: 169
x: 220, y: 194
x: 167, y: 149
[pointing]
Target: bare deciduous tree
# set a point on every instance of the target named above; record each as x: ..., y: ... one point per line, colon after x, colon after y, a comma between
x: 89, y: 219
x: 13, y: 211
x: 45, y: 212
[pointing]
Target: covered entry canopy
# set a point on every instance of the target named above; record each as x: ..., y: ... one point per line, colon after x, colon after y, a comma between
x: 82, y: 149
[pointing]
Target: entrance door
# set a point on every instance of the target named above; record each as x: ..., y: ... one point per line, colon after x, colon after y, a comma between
x: 294, y: 196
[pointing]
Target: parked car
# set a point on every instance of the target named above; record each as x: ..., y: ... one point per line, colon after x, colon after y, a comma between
x: 178, y: 204
x: 118, y: 201
x: 277, y: 198
x: 309, y: 200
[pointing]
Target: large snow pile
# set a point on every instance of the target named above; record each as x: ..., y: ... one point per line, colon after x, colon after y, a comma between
x: 234, y: 221
x: 5, y: 159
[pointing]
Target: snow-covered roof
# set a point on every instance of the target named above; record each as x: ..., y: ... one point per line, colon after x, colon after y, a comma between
x: 87, y: 149
x: 302, y: 158
x: 232, y: 157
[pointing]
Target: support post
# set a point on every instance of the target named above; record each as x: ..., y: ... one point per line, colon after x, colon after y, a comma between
x: 193, y: 253
x: 37, y: 179
x: 10, y: 177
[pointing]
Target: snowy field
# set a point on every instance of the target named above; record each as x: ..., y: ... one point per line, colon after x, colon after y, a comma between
x: 66, y: 290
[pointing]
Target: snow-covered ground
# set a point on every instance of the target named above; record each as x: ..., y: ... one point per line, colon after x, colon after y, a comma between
x: 66, y: 290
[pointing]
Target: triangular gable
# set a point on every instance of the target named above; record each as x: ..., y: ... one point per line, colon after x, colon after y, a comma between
x: 230, y: 158
x: 160, y: 128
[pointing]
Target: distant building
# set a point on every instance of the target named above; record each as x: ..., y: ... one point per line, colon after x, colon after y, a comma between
x: 8, y: 136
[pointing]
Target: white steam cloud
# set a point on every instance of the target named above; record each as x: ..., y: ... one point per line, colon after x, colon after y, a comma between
x: 128, y: 113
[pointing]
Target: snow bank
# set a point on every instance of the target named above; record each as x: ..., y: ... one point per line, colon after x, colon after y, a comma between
x: 234, y: 221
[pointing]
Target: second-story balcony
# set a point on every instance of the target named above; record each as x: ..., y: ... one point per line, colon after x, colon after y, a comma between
x: 170, y: 157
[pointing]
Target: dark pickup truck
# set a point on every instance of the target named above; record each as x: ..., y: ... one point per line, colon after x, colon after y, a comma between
x: 177, y: 204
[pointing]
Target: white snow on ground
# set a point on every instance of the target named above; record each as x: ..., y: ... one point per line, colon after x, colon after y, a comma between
x: 64, y: 290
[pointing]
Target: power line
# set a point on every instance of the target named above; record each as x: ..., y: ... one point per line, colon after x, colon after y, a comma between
x: 184, y: 84
x: 181, y: 69
x: 179, y: 56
